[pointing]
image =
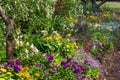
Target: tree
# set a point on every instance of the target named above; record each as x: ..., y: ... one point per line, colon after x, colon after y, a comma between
x: 9, y: 35
x: 97, y: 6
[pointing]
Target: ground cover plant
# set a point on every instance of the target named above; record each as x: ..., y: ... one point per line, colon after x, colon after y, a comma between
x: 56, y: 40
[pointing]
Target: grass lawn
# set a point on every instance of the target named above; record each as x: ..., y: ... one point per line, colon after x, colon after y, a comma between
x: 112, y: 4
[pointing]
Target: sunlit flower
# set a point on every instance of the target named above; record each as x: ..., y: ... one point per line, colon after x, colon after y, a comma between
x: 48, y: 38
x: 20, y: 74
x: 76, y: 47
x: 22, y: 69
x: 27, y: 75
x: 68, y: 35
x: 106, y: 14
x: 67, y: 46
x: 56, y: 38
x: 2, y: 79
x: 74, y: 44
x: 3, y: 70
x: 37, y: 74
x: 9, y: 73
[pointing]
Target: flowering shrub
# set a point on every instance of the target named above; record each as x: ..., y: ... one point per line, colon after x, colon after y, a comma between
x: 55, y: 43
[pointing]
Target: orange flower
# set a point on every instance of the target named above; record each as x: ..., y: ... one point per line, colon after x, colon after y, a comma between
x: 27, y: 75
x: 22, y: 69
x: 20, y: 74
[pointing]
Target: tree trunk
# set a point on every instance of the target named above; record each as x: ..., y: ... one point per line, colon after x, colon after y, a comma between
x: 9, y: 36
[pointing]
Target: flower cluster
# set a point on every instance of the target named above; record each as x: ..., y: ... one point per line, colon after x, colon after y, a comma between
x: 84, y: 57
x: 15, y: 64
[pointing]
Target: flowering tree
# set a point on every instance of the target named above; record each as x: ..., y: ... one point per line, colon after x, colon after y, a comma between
x: 9, y: 36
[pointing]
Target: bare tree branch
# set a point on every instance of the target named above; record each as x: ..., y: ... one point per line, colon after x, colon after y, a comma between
x: 101, y: 3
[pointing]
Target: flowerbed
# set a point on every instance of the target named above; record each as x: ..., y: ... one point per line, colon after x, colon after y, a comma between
x: 60, y: 46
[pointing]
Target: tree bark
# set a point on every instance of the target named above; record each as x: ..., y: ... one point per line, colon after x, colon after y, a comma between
x: 9, y: 36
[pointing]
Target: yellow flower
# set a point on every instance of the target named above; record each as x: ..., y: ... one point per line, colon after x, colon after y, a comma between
x: 9, y: 73
x: 48, y: 38
x: 68, y: 39
x: 27, y: 75
x: 26, y: 68
x: 67, y: 46
x: 72, y: 20
x: 56, y: 38
x: 37, y: 74
x: 74, y: 43
x: 2, y: 79
x: 76, y: 47
x: 106, y: 14
x: 3, y: 70
x: 68, y: 35
x: 66, y: 18
x: 93, y: 17
x: 87, y: 12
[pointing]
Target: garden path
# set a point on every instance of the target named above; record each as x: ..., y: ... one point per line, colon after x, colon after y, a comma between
x: 111, y: 64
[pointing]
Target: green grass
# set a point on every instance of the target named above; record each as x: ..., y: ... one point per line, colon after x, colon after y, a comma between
x: 112, y: 4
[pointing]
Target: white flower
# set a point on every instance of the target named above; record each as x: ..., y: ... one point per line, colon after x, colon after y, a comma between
x: 34, y: 49
x: 26, y: 53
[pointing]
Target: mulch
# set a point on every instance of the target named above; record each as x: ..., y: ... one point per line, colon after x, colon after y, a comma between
x: 110, y: 67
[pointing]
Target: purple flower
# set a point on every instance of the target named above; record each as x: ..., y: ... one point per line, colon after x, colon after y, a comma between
x: 79, y: 77
x: 63, y: 63
x: 76, y: 70
x: 69, y: 59
x: 49, y: 57
x: 6, y: 66
x: 86, y: 62
x: 42, y: 67
x: 66, y: 65
x: 16, y: 68
x: 82, y: 69
x: 17, y: 62
x: 11, y: 63
x: 74, y: 64
x: 47, y: 74
x: 54, y: 67
x: 78, y: 26
x: 38, y: 65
